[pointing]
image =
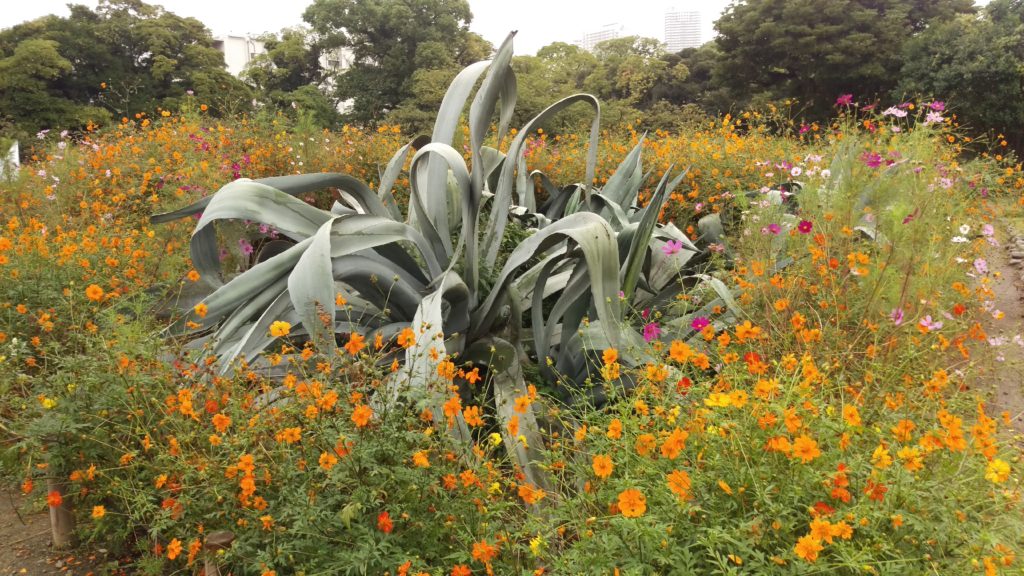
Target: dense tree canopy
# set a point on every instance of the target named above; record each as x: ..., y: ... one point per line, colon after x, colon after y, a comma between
x: 813, y: 50
x: 390, y: 40
x: 976, y: 65
x: 289, y: 76
x: 126, y: 56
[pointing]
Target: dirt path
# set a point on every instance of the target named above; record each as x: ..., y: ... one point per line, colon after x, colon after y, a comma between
x: 1006, y: 375
x: 25, y: 541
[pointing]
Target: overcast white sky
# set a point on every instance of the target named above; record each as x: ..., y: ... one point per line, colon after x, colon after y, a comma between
x: 539, y: 22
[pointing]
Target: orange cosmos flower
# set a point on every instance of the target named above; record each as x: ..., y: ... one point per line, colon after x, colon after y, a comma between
x: 645, y: 444
x: 679, y: 483
x: 610, y: 356
x: 98, y: 512
x: 406, y: 337
x: 602, y: 466
x: 280, y: 328
x: 615, y: 429
x: 54, y: 499
x: 805, y: 448
x: 361, y: 415
x: 675, y: 444
x: 384, y: 523
x: 327, y: 461
x: 94, y: 293
x: 221, y: 422
x: 851, y: 415
x: 420, y: 459
x: 807, y: 548
x: 530, y: 494
x: 632, y: 503
x: 356, y: 342
x: 289, y: 435
x: 193, y: 276
x: 173, y: 549
x: 484, y: 552
x: 472, y: 416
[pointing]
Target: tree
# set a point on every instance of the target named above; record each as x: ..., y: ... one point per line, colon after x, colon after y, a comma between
x: 25, y: 94
x: 126, y: 56
x: 976, y: 65
x: 390, y: 41
x: 289, y: 76
x: 435, y: 70
x: 814, y: 51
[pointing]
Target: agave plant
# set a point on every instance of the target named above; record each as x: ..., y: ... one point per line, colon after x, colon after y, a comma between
x: 368, y: 267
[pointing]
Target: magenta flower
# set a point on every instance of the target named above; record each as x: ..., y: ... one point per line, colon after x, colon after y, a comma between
x: 245, y: 246
x: 672, y: 247
x: 929, y: 325
x: 872, y: 159
x: 774, y: 228
x: 896, y: 316
x: 938, y: 106
x: 651, y: 332
x: 699, y: 323
x: 805, y: 226
x: 844, y: 100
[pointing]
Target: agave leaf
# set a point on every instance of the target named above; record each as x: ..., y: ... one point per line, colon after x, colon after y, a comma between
x: 352, y: 234
x: 508, y: 383
x: 503, y: 191
x: 349, y: 235
x: 240, y: 317
x: 434, y: 204
x: 482, y: 108
x: 258, y: 337
x: 279, y: 182
x: 390, y: 176
x: 492, y: 160
x: 250, y: 200
x: 540, y: 331
x: 388, y: 287
x: 641, y: 241
x: 723, y: 292
x: 603, y: 204
x: 596, y: 241
x: 624, y: 184
x: 311, y: 286
x: 470, y: 203
x: 665, y: 268
x: 711, y: 229
x: 248, y: 284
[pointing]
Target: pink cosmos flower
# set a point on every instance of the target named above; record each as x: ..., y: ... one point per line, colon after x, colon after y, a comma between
x: 805, y: 226
x: 872, y: 159
x: 896, y: 316
x: 981, y: 266
x: 699, y: 323
x: 844, y: 100
x: 651, y: 332
x: 930, y: 325
x: 672, y: 247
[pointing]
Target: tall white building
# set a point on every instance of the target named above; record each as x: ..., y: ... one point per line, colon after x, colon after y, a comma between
x: 238, y: 51
x: 591, y: 39
x: 682, y: 30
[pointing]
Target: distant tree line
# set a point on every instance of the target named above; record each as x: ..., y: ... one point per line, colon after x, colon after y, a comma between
x: 127, y: 56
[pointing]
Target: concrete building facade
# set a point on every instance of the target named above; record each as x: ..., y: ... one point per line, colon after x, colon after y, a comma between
x: 682, y: 30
